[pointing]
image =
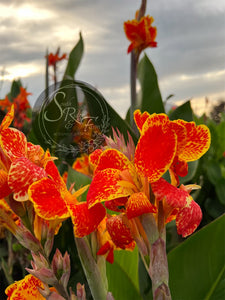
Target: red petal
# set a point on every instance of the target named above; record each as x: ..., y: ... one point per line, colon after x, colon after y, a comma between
x: 13, y: 143
x: 94, y: 157
x: 138, y: 204
x: 188, y: 218
x: 198, y: 141
x: 156, y: 148
x: 85, y: 220
x: 114, y: 159
x: 53, y: 172
x: 181, y: 133
x: 119, y: 232
x: 117, y: 204
x: 105, y: 187
x: 4, y: 187
x: 47, y: 200
x: 176, y: 198
x: 22, y: 174
x: 140, y: 118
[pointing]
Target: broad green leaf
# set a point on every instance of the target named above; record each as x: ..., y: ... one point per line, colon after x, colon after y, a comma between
x: 197, y: 266
x: 213, y: 171
x: 220, y: 190
x: 151, y: 100
x: 122, y: 275
x: 183, y: 112
x: 74, y: 60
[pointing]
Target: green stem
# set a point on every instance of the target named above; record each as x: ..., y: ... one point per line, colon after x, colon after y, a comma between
x: 96, y: 283
x: 158, y: 268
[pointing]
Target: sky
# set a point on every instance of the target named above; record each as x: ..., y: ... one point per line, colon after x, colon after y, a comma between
x: 189, y: 59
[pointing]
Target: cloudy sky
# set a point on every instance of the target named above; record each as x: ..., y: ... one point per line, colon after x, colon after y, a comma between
x: 189, y: 59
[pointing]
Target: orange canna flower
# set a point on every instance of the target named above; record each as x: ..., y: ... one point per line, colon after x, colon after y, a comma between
x: 141, y: 34
x: 54, y: 58
x: 27, y: 288
x: 123, y: 184
x: 21, y: 162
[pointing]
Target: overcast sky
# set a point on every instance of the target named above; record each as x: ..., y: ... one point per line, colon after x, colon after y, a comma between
x: 189, y: 59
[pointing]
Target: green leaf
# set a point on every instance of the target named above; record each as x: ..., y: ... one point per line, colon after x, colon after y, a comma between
x: 151, y: 100
x: 183, y: 112
x: 220, y: 190
x: 213, y: 171
x: 122, y: 275
x: 74, y: 60
x: 197, y: 266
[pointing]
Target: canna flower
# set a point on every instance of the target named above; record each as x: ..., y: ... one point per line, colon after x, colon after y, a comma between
x: 21, y: 162
x: 54, y: 58
x: 27, y: 288
x: 141, y: 34
x: 52, y: 201
x: 123, y: 184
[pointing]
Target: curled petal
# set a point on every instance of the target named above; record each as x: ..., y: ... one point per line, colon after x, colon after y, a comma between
x: 105, y: 186
x: 155, y: 150
x: 7, y: 119
x: 176, y: 198
x: 112, y: 158
x: 47, y: 200
x: 24, y: 289
x: 188, y: 218
x: 22, y: 174
x: 138, y: 204
x: 140, y: 118
x: 119, y: 232
x: 197, y: 143
x: 85, y: 220
x: 13, y: 143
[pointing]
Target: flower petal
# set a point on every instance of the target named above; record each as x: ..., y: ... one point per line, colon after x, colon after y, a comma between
x: 138, y: 204
x: 188, y: 218
x: 112, y: 158
x: 117, y: 204
x: 198, y: 141
x: 22, y: 174
x: 7, y: 119
x: 181, y: 133
x: 105, y: 187
x: 85, y: 220
x: 156, y: 148
x: 13, y: 143
x: 140, y: 118
x: 24, y: 289
x: 4, y: 187
x: 47, y: 200
x: 119, y: 232
x: 94, y: 157
x: 175, y: 198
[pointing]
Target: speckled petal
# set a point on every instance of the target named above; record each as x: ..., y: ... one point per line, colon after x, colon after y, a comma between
x: 140, y: 118
x: 198, y: 141
x: 7, y: 119
x: 119, y: 232
x: 138, y: 204
x: 188, y: 218
x: 47, y: 200
x: 156, y: 149
x: 22, y: 174
x: 25, y: 289
x: 105, y: 186
x: 13, y: 143
x: 175, y: 198
x: 85, y: 220
x: 112, y: 158
x: 181, y: 133
x: 94, y: 157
